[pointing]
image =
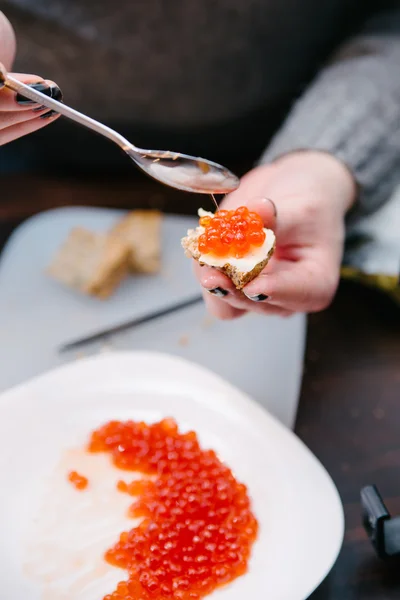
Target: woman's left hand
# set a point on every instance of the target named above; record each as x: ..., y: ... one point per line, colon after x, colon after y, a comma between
x: 303, y: 197
x: 18, y: 115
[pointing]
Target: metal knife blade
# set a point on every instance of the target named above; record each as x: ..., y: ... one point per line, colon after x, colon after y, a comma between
x: 130, y: 324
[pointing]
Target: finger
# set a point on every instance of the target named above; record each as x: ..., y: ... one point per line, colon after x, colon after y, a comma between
x: 239, y: 301
x: 307, y: 285
x: 8, y: 98
x: 8, y: 119
x: 16, y: 131
x: 263, y: 206
x: 221, y: 288
x: 220, y: 291
x: 233, y: 307
x: 10, y: 101
x: 217, y: 286
x: 266, y: 208
x: 220, y: 309
x: 211, y: 279
x: 253, y: 184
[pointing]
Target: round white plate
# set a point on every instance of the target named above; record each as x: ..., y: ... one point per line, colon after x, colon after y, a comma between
x: 53, y: 537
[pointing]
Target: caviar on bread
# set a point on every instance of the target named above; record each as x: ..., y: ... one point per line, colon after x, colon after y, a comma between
x: 235, y: 242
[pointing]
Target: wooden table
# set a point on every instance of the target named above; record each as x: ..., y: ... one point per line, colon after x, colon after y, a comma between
x: 350, y: 418
x: 349, y: 412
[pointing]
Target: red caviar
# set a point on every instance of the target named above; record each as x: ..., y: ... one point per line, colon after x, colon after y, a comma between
x: 197, y: 526
x: 231, y: 233
x: 78, y: 481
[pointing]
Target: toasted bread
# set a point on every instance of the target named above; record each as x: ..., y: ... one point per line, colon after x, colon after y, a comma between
x: 141, y: 231
x: 239, y: 276
x: 91, y: 263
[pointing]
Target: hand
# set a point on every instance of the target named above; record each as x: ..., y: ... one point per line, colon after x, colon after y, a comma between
x: 19, y: 116
x: 303, y: 197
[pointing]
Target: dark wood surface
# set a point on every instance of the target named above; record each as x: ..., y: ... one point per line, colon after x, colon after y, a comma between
x: 349, y: 416
x: 349, y: 413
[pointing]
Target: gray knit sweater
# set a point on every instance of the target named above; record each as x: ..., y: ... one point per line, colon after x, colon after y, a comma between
x: 322, y: 74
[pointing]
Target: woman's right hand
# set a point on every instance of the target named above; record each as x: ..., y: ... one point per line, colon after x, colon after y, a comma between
x: 19, y: 116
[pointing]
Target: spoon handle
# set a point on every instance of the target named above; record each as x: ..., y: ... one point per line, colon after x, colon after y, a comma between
x: 66, y: 111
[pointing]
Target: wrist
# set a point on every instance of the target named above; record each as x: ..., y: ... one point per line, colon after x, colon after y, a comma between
x: 325, y: 171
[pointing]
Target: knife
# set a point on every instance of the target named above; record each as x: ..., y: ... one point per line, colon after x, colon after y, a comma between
x: 130, y: 324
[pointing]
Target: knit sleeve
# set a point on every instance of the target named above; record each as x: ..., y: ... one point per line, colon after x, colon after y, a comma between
x: 352, y: 110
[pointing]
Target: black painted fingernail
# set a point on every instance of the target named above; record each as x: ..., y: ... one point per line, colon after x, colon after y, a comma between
x: 53, y: 91
x: 39, y: 87
x: 218, y: 292
x: 49, y: 114
x: 258, y: 298
x: 56, y: 94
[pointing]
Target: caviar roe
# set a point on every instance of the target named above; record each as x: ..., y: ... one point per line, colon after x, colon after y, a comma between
x: 197, y: 527
x: 231, y: 233
x: 78, y: 481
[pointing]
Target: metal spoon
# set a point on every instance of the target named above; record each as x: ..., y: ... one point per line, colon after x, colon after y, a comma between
x: 177, y: 170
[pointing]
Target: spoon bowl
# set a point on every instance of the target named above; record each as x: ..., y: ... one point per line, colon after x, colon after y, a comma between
x: 185, y: 172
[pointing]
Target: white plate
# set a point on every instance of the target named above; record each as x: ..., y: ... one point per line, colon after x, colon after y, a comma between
x: 44, y: 521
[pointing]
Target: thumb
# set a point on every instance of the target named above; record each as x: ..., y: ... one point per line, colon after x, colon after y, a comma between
x: 260, y: 205
x: 266, y: 208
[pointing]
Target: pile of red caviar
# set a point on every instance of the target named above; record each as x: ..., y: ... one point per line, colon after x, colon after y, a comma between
x: 197, y: 527
x: 78, y: 481
x: 231, y: 233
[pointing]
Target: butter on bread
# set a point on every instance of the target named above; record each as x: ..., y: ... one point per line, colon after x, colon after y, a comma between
x: 91, y: 263
x: 141, y: 231
x: 240, y: 270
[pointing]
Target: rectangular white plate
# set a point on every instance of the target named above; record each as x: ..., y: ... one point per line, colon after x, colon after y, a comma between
x: 295, y: 501
x: 32, y: 330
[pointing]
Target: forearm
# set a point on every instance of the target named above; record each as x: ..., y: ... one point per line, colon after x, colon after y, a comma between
x: 352, y: 110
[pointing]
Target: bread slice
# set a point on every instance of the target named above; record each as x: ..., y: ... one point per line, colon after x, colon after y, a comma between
x: 239, y: 276
x: 141, y: 231
x: 91, y: 263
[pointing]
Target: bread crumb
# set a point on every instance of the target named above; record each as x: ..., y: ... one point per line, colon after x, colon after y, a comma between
x: 208, y: 322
